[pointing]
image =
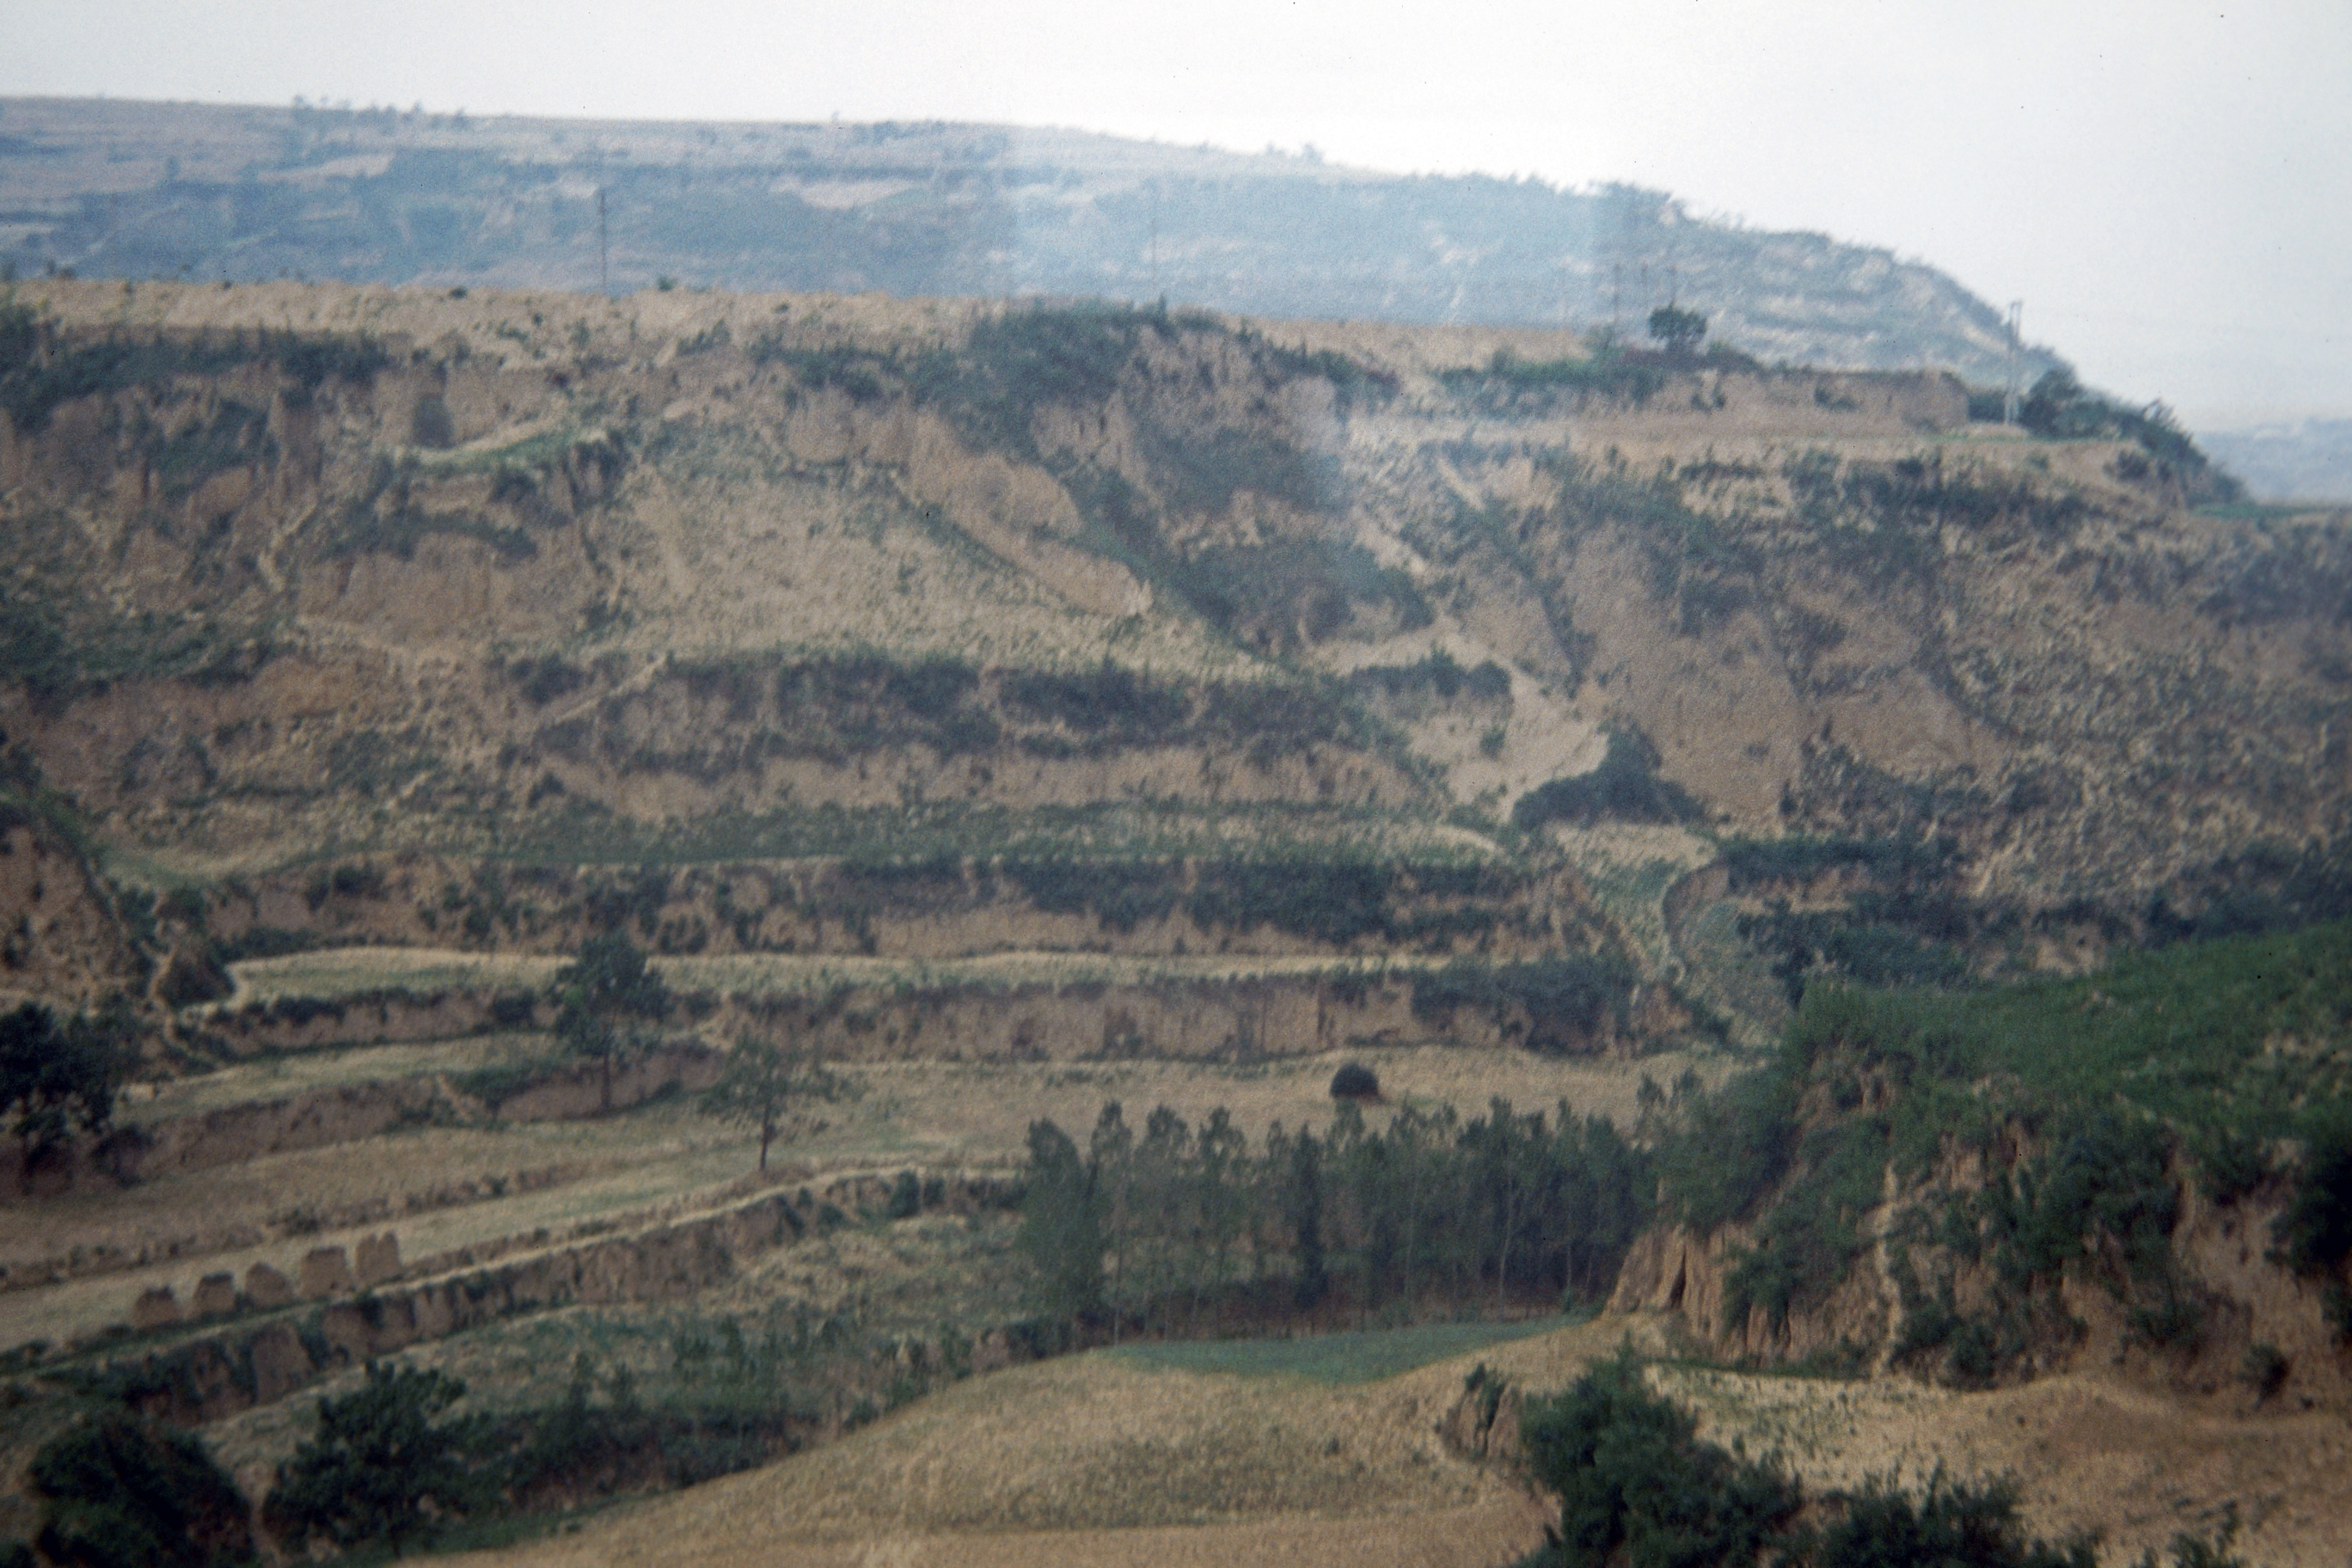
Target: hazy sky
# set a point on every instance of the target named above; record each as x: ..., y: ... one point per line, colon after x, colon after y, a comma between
x: 2168, y: 186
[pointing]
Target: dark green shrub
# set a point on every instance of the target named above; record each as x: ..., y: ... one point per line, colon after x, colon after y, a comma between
x: 1636, y: 1485
x: 120, y: 1492
x: 1796, y: 857
x: 1355, y: 1082
x: 1507, y: 376
x: 546, y: 678
x: 378, y: 1468
x: 1625, y: 787
x: 1121, y: 894
x: 429, y: 424
x: 1809, y: 1240
x: 2264, y: 1370
x: 514, y: 1009
x: 2315, y: 1233
x: 2231, y: 1164
x: 1951, y: 1526
x: 1335, y: 902
x: 38, y: 371
x: 1439, y: 673
x: 1566, y: 997
x: 61, y: 1076
x: 1731, y: 1148
x: 1109, y: 698
x: 906, y: 1197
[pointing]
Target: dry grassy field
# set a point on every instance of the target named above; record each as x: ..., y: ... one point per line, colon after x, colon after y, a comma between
x: 444, y: 1187
x: 1104, y: 1459
x: 2135, y: 1466
x: 1107, y: 1459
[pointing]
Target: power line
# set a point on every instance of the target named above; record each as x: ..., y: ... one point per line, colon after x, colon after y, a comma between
x: 2009, y: 381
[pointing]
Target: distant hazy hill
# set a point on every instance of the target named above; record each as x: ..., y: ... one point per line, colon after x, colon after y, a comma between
x: 2307, y: 462
x: 143, y: 189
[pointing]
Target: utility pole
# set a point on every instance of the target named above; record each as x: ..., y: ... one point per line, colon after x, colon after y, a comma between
x: 604, y: 274
x: 2009, y: 389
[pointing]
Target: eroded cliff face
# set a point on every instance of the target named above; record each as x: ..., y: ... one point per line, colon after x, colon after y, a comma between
x: 2247, y: 1329
x: 60, y: 937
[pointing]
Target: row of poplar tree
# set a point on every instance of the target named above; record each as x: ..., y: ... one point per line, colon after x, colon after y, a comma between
x: 1170, y: 1227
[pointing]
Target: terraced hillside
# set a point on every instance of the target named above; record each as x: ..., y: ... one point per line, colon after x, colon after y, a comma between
x: 1031, y: 708
x: 386, y: 617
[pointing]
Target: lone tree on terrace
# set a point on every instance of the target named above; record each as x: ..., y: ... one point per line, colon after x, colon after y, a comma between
x: 606, y: 1001
x: 763, y: 1079
x: 378, y: 1468
x: 1677, y: 329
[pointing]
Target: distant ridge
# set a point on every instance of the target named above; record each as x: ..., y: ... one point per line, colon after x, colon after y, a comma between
x: 110, y: 188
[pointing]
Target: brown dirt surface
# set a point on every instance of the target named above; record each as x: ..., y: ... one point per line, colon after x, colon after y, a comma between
x: 2136, y: 1466
x: 1092, y: 1460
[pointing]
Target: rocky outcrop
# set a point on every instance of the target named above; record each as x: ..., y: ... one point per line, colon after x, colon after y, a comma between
x: 266, y: 1288
x: 1483, y: 1424
x: 2262, y: 1334
x: 215, y: 1296
x: 379, y: 1260
x: 326, y: 1271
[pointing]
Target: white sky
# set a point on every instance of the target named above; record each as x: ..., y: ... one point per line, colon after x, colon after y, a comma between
x: 2167, y: 185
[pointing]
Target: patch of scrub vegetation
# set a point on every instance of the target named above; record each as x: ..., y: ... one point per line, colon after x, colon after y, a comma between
x: 1558, y: 1003
x: 382, y: 518
x: 1903, y: 919
x: 235, y: 434
x: 1508, y: 384
x: 1635, y: 1483
x: 1438, y: 675
x: 1625, y: 787
x: 1273, y: 595
x: 2216, y: 1058
x: 44, y: 366
x: 838, y: 706
x: 1885, y: 521
x: 1109, y: 832
x: 58, y: 641
x: 1797, y: 857
x: 2058, y: 407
